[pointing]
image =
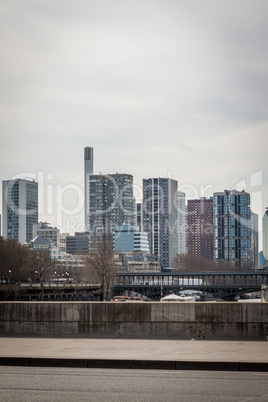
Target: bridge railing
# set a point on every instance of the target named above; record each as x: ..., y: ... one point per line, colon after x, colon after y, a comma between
x: 192, y: 279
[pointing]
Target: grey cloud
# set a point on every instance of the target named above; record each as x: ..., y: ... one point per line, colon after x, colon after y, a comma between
x: 155, y: 86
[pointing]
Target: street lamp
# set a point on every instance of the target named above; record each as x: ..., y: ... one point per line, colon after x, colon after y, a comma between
x: 9, y: 272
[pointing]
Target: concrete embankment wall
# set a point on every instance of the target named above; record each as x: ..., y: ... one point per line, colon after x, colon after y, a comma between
x: 135, y: 320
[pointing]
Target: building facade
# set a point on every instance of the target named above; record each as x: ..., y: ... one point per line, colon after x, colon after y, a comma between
x: 110, y: 203
x: 88, y: 171
x: 182, y: 223
x: 78, y: 244
x: 128, y: 238
x: 137, y: 262
x: 160, y: 218
x: 71, y: 265
x: 254, y: 239
x: 20, y: 209
x: 62, y: 242
x: 139, y: 215
x: 200, y: 227
x: 265, y: 234
x: 51, y: 234
x: 232, y: 227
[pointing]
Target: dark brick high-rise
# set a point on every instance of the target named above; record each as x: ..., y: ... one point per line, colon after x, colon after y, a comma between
x: 200, y: 227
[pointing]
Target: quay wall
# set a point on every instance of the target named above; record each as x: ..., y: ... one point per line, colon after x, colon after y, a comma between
x: 223, y: 320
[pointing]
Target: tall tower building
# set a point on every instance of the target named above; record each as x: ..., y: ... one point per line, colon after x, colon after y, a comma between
x: 110, y: 204
x: 139, y: 215
x: 182, y: 223
x: 254, y: 239
x: 88, y: 170
x: 109, y: 201
x: 232, y: 231
x: 200, y: 227
x: 160, y: 218
x: 20, y: 209
x: 265, y: 234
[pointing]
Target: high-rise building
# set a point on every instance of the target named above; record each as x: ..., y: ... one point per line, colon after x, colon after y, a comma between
x: 110, y: 204
x: 160, y: 218
x: 254, y: 240
x: 139, y: 214
x: 265, y: 234
x: 182, y: 223
x: 20, y: 209
x: 47, y: 232
x: 109, y: 201
x: 232, y: 232
x: 200, y: 227
x: 88, y: 170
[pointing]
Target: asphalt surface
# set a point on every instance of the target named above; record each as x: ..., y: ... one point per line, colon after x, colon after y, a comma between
x: 42, y: 384
x: 135, y: 353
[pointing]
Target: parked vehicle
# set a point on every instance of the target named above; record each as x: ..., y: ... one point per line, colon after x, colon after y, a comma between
x: 177, y: 298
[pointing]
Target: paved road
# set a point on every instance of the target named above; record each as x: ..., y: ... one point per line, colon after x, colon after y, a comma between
x: 66, y: 384
x: 147, y: 349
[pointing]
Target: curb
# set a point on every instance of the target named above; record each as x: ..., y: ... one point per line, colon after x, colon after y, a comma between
x: 133, y: 364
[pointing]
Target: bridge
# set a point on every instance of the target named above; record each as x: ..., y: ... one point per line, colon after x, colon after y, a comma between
x: 49, y: 291
x: 224, y: 285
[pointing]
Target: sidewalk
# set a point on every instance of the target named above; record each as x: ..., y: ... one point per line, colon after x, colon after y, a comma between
x: 135, y: 353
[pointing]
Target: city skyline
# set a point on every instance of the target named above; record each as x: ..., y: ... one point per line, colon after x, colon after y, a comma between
x: 157, y: 89
x: 79, y: 225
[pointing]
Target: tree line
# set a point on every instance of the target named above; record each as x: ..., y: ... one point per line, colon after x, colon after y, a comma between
x: 19, y: 263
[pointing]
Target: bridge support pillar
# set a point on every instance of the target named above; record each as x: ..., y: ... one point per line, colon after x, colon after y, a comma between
x: 263, y: 293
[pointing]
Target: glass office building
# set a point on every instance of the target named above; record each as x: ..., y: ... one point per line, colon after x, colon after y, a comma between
x: 232, y: 226
x: 128, y: 238
x: 110, y: 204
x: 160, y: 218
x: 20, y: 209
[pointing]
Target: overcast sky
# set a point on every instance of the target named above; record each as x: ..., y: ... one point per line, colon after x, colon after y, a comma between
x: 159, y: 88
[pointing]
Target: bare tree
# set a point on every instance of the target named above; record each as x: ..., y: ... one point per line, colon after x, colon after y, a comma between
x: 100, y: 267
x: 15, y: 261
x: 197, y: 263
x: 193, y: 263
x: 179, y: 263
